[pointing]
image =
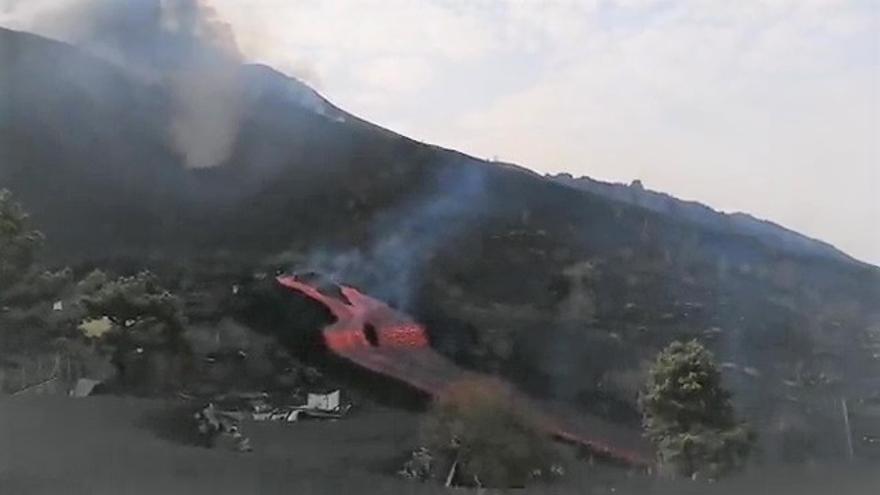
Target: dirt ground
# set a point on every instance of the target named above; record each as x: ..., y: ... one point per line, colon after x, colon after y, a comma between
x: 119, y: 446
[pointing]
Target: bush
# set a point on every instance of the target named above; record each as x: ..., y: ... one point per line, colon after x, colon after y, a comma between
x: 689, y: 417
x: 493, y: 440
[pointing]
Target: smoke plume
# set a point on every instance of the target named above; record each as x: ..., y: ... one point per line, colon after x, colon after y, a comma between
x: 178, y: 43
x: 406, y: 238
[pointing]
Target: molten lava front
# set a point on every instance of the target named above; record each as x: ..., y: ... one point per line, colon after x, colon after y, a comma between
x: 376, y: 337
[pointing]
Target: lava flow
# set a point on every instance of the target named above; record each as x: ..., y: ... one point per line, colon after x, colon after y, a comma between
x: 374, y: 336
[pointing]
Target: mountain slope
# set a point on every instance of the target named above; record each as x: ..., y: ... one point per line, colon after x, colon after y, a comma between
x: 772, y: 235
x: 566, y: 291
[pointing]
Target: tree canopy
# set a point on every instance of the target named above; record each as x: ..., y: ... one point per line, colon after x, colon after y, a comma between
x: 689, y: 417
x: 27, y: 293
x: 145, y: 341
x: 141, y: 310
x: 18, y: 243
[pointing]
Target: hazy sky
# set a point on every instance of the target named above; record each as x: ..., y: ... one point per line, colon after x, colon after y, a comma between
x: 766, y: 106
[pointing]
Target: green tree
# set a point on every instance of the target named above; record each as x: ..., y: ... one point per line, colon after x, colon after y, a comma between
x: 146, y: 340
x: 688, y: 415
x: 39, y: 309
x: 489, y: 436
x: 28, y: 319
x: 18, y: 243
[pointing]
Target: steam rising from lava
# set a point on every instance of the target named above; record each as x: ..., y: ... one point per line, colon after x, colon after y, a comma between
x: 406, y: 238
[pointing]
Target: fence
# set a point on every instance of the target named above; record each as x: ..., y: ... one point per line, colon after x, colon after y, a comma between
x: 43, y: 374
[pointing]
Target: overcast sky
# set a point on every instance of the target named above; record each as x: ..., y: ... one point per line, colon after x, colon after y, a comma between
x: 771, y: 107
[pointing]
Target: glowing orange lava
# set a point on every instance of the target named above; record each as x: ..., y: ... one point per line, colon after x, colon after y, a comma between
x: 376, y: 337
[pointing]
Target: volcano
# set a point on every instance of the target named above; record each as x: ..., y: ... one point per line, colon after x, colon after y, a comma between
x: 567, y: 292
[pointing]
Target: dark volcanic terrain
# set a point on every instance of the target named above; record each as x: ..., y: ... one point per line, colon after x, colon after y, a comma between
x: 563, y: 290
x: 119, y: 446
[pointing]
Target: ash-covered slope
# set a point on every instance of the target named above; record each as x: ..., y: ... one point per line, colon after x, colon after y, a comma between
x: 90, y: 147
x: 772, y: 235
x: 565, y: 291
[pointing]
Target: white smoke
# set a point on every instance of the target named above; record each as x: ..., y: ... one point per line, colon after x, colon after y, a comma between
x: 178, y: 43
x: 208, y: 103
x: 407, y: 237
x: 208, y: 91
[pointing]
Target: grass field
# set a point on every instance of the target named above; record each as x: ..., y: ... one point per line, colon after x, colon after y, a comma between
x: 119, y: 446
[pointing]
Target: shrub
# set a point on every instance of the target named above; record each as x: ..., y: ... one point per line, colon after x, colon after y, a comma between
x: 493, y: 440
